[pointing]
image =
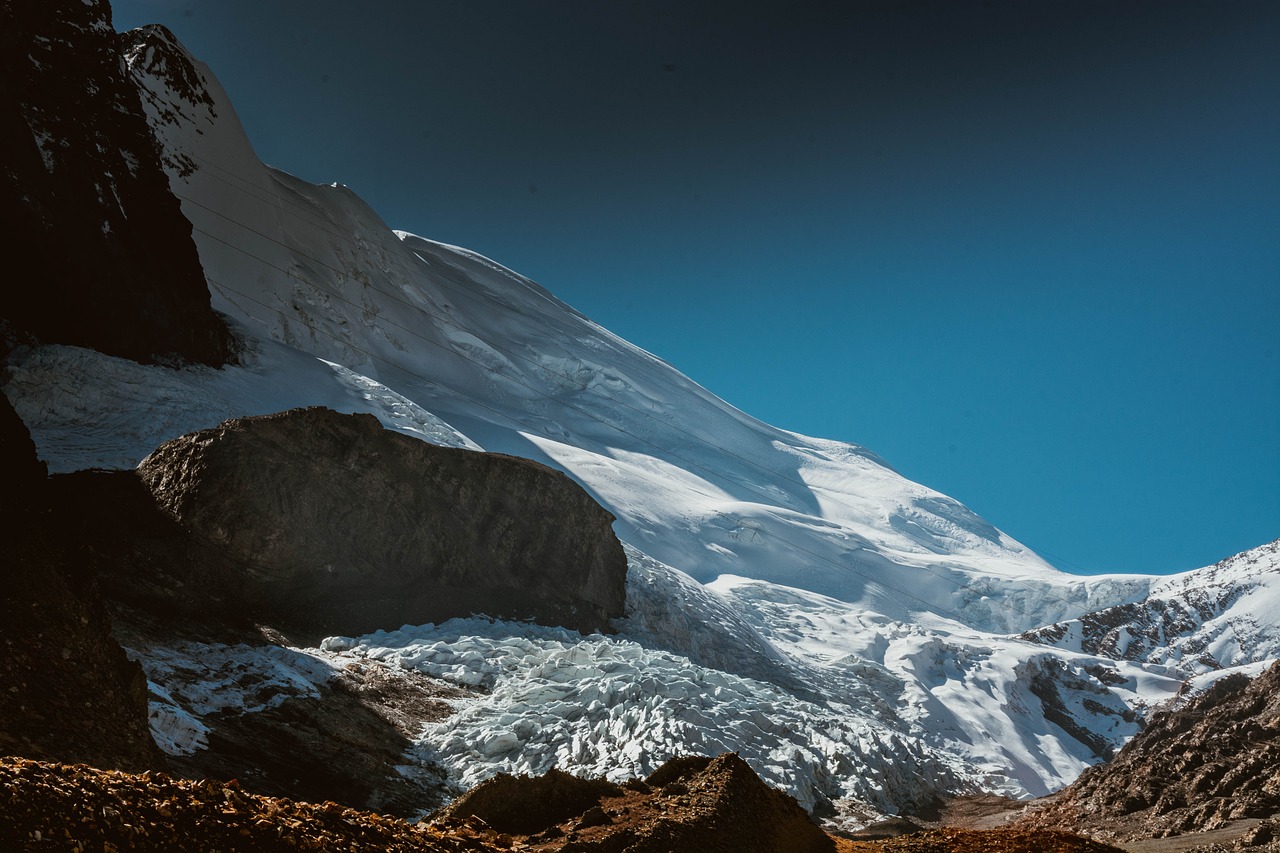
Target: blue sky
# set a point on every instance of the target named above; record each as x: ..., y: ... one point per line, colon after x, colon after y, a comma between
x: 1027, y: 252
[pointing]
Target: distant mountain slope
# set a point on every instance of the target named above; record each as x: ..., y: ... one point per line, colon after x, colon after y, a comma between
x: 694, y: 482
x: 1198, y: 621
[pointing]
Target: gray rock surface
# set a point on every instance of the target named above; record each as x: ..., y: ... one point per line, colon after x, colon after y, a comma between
x: 340, y: 526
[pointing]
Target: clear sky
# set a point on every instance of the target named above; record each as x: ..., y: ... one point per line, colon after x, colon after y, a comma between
x: 1028, y: 252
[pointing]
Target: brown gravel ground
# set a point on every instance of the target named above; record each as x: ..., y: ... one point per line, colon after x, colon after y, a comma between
x: 66, y: 807
x: 979, y: 841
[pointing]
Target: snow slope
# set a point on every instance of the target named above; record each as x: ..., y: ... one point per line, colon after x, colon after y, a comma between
x: 849, y: 631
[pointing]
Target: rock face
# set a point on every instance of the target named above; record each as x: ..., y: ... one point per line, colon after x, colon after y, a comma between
x: 70, y: 694
x: 1214, y: 761
x: 340, y: 526
x: 24, y: 472
x: 691, y: 803
x: 98, y: 252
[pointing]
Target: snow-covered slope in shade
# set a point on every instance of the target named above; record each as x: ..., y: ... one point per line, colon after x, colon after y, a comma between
x: 799, y: 577
x: 90, y: 410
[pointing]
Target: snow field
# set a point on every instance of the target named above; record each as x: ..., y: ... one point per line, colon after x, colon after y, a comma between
x: 89, y: 410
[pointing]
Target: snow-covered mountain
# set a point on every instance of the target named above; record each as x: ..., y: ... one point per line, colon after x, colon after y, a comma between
x: 857, y: 637
x: 1198, y: 621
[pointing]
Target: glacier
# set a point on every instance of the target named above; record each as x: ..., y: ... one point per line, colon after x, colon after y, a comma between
x: 861, y: 639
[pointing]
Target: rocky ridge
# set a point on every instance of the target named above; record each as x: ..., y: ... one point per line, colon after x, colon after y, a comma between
x: 1209, y: 764
x: 1191, y: 622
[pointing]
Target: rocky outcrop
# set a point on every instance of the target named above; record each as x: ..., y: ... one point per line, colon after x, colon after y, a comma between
x: 334, y: 525
x: 1214, y: 761
x: 690, y: 803
x: 528, y: 805
x: 97, y: 251
x: 69, y: 694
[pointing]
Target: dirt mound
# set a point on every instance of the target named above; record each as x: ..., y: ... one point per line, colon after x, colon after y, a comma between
x: 527, y: 805
x: 1211, y: 763
x: 708, y: 805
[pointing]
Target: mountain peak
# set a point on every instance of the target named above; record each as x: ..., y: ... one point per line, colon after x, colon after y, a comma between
x: 153, y: 49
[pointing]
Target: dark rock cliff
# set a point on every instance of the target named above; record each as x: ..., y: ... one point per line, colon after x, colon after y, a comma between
x: 98, y: 251
x: 335, y: 525
x: 70, y: 694
x: 24, y: 472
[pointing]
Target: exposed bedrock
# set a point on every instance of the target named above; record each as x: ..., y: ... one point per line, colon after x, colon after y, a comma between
x: 1211, y: 762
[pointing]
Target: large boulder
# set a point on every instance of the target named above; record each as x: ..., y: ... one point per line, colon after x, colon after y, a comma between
x: 339, y: 526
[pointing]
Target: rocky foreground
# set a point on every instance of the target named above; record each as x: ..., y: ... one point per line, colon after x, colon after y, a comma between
x: 701, y: 804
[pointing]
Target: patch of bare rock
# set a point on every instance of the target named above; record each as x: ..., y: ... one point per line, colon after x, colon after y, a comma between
x: 343, y: 744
